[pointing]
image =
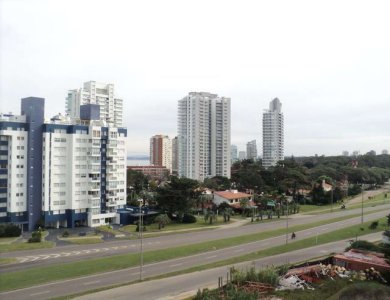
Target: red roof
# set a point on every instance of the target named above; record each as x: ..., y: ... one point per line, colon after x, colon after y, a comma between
x: 232, y: 195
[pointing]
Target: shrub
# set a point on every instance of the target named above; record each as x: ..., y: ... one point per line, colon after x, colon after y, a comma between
x: 10, y: 230
x: 374, y: 225
x: 36, y: 237
x: 363, y: 245
x: 65, y: 233
x: 187, y: 218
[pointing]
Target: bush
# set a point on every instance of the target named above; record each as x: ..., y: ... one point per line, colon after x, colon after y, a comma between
x: 374, y: 225
x: 65, y: 233
x: 36, y: 237
x: 364, y: 245
x: 187, y: 218
x: 10, y: 230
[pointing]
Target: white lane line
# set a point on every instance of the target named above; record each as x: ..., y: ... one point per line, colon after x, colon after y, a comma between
x: 213, y: 256
x: 91, y: 282
x: 40, y: 293
x: 175, y: 265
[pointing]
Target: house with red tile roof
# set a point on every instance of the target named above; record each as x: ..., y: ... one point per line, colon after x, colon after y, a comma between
x: 232, y: 197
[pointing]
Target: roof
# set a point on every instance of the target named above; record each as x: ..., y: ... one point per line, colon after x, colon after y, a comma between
x: 372, y: 258
x: 232, y: 195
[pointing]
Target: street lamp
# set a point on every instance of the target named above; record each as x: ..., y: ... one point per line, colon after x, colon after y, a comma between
x: 140, y: 230
x: 287, y: 223
x: 362, y: 204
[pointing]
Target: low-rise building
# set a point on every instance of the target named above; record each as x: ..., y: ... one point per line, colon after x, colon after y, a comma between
x: 232, y: 197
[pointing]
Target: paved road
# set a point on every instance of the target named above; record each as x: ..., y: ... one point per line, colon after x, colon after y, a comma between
x: 184, y: 286
x: 56, y: 289
x: 44, y: 257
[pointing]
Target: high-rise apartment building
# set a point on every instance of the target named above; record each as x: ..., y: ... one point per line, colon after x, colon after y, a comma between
x: 273, y: 134
x: 204, y: 136
x: 66, y: 172
x: 103, y: 94
x: 242, y: 155
x: 234, y: 153
x: 13, y: 170
x: 251, y: 150
x: 175, y: 156
x: 161, y: 151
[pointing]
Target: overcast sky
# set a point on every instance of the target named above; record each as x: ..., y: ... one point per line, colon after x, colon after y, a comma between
x: 327, y: 61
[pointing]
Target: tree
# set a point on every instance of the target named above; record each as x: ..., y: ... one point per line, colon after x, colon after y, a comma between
x: 219, y: 183
x: 178, y: 196
x: 162, y: 220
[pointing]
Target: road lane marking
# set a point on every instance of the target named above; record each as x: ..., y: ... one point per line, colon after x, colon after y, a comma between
x: 40, y: 293
x: 213, y: 256
x: 175, y: 265
x: 91, y: 282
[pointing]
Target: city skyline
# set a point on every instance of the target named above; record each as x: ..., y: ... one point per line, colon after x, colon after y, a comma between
x: 332, y: 76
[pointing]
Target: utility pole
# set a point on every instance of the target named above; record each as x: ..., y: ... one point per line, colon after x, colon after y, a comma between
x: 140, y: 230
x: 287, y: 223
x: 362, y: 203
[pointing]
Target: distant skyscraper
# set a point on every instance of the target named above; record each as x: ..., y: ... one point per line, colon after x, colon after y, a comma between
x: 385, y: 152
x: 345, y: 153
x: 355, y: 153
x: 251, y: 150
x: 111, y: 108
x: 204, y: 136
x: 174, y: 156
x: 161, y: 151
x: 234, y: 153
x: 241, y: 155
x: 273, y: 134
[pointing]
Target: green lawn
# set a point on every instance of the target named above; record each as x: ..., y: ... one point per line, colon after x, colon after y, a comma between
x: 83, y: 240
x: 200, y: 224
x: 8, y: 240
x: 7, y: 260
x: 14, y: 280
x: 25, y: 246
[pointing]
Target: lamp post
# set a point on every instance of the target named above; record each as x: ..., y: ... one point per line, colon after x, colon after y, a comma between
x: 140, y: 230
x: 362, y: 204
x: 287, y: 223
x: 331, y: 207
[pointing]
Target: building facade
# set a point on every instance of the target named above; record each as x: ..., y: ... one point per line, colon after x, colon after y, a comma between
x: 13, y: 170
x: 273, y: 134
x: 67, y: 172
x: 241, y: 155
x: 233, y: 154
x: 84, y: 173
x: 103, y: 94
x: 175, y: 156
x: 251, y: 150
x: 203, y: 136
x: 161, y: 151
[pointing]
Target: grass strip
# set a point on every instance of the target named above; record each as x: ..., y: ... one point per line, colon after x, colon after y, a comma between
x: 25, y: 246
x: 7, y: 260
x: 84, y: 241
x: 39, y: 275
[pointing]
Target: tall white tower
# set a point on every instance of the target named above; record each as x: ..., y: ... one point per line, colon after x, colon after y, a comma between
x: 204, y: 136
x: 273, y: 134
x: 111, y: 107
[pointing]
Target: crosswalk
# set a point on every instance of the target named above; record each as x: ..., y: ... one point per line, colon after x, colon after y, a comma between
x: 24, y: 259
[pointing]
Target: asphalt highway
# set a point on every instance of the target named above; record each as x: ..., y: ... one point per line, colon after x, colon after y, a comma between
x: 184, y: 286
x: 63, y: 254
x: 62, y: 288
